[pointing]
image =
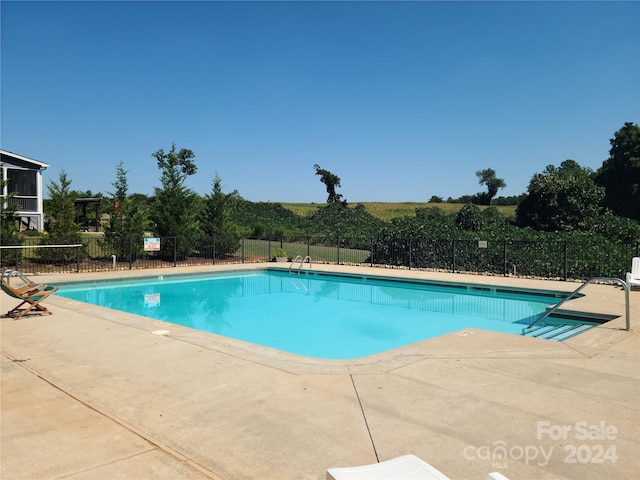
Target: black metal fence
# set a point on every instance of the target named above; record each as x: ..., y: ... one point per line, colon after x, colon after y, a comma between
x: 542, y: 259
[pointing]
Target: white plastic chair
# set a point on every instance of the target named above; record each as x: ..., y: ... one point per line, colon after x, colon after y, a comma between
x: 407, y: 467
x: 633, y: 277
x: 400, y: 468
x: 496, y: 476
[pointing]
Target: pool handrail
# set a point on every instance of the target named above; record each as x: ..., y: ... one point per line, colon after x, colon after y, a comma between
x: 575, y: 292
x: 302, y: 260
x: 298, y: 257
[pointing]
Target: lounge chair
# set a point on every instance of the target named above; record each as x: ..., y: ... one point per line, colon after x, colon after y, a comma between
x: 30, y: 294
x: 407, y: 467
x: 633, y: 277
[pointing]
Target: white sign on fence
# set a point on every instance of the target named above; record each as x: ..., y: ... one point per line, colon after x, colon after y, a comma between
x: 151, y: 244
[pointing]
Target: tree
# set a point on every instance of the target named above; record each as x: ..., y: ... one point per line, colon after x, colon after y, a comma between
x: 470, y: 218
x: 434, y: 222
x: 62, y: 226
x: 615, y: 228
x: 488, y: 177
x: 620, y: 173
x: 561, y: 199
x: 9, y: 228
x: 338, y: 220
x: 121, y: 184
x: 128, y: 221
x: 175, y: 206
x: 511, y: 200
x: 216, y: 221
x: 331, y: 181
x: 8, y: 216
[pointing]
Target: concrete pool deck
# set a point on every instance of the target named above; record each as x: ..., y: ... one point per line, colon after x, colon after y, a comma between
x: 91, y: 393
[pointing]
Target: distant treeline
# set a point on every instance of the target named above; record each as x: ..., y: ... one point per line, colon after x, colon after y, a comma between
x: 498, y: 201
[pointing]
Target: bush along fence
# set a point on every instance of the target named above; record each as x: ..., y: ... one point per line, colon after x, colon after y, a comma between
x: 566, y: 260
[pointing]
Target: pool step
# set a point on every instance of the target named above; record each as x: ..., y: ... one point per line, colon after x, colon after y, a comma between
x: 558, y: 331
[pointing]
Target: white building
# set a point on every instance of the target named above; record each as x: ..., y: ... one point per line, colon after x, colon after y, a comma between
x: 24, y: 177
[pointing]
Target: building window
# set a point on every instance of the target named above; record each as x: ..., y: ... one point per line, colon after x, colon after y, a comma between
x: 22, y: 182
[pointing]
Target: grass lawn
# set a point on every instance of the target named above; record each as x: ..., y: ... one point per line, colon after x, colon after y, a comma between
x: 318, y: 253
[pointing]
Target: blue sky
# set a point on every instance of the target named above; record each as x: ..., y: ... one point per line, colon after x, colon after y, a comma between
x: 401, y: 100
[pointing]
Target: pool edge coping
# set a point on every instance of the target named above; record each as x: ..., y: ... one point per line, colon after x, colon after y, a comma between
x: 377, y: 363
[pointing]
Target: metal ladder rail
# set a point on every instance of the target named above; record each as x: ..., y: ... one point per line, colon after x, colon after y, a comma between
x: 304, y: 260
x: 298, y: 257
x: 577, y: 290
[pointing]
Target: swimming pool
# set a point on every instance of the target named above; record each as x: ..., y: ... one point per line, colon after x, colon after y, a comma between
x: 318, y: 315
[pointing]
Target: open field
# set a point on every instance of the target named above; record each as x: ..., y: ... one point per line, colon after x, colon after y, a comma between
x: 388, y: 210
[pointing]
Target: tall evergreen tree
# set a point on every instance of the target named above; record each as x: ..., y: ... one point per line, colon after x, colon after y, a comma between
x: 216, y: 223
x: 128, y: 221
x: 62, y: 226
x: 8, y: 217
x: 9, y: 228
x: 175, y: 207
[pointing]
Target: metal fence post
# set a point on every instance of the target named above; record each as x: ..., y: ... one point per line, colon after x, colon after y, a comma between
x: 453, y: 256
x: 130, y: 252
x: 338, y: 248
x: 504, y: 258
x: 371, y: 254
x: 410, y: 251
x: 175, y: 251
x: 243, y: 238
x: 566, y: 264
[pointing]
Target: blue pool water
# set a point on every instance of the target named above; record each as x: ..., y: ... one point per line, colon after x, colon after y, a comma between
x: 316, y: 315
